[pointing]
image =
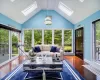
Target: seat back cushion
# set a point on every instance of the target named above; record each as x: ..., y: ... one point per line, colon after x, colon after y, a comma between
x: 46, y: 48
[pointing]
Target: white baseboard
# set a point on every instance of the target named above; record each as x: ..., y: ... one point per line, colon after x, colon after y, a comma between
x: 93, y: 64
x: 87, y: 61
x: 92, y: 69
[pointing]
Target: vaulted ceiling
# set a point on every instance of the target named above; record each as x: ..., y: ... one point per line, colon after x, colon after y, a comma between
x: 81, y: 9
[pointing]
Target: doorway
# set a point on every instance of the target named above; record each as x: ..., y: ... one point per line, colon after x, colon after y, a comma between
x: 79, y: 42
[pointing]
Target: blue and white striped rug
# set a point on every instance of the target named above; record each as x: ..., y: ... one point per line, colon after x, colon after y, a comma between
x: 68, y: 73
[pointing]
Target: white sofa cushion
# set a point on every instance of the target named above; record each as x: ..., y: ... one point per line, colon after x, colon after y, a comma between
x: 46, y: 47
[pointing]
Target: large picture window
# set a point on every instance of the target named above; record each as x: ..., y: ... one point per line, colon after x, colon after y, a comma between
x: 37, y: 37
x: 68, y: 40
x: 27, y: 40
x: 58, y: 37
x: 47, y: 36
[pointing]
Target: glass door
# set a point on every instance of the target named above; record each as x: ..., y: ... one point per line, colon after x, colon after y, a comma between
x: 4, y: 45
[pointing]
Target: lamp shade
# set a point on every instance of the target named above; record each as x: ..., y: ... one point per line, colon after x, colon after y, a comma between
x: 48, y: 20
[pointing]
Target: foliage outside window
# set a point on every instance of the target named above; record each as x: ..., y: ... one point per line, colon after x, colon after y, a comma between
x: 97, y: 33
x: 58, y: 37
x: 15, y: 37
x: 4, y: 45
x: 68, y: 40
x: 97, y: 40
x: 37, y: 37
x: 47, y: 36
x: 27, y: 40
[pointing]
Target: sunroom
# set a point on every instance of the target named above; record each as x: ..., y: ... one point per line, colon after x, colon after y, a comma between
x: 58, y: 28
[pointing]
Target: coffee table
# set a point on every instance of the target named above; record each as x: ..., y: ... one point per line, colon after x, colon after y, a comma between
x: 43, y: 64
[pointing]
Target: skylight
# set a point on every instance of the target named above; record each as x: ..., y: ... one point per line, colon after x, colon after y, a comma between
x: 12, y: 0
x: 65, y: 9
x: 29, y: 9
x: 81, y: 0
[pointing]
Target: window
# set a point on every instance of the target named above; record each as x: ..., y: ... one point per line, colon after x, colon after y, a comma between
x: 47, y: 36
x: 97, y: 40
x: 15, y: 41
x: 58, y: 37
x: 65, y: 9
x: 30, y: 9
x: 37, y: 37
x: 27, y: 40
x: 4, y: 45
x: 68, y: 40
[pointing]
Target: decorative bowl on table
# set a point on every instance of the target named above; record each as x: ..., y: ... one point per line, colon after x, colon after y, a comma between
x: 32, y: 56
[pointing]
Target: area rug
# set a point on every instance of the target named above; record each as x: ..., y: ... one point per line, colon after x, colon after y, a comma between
x: 68, y: 73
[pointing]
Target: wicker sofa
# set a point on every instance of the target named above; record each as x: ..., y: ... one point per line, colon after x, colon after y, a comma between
x: 45, y: 50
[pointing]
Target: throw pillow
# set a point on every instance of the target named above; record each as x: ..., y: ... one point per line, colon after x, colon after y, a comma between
x: 37, y: 49
x: 53, y: 49
x: 57, y: 49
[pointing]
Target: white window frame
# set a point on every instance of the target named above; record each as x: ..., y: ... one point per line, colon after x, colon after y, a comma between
x: 52, y: 36
x: 72, y: 40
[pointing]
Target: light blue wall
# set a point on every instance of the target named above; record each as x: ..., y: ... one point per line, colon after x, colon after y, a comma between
x: 58, y: 21
x: 7, y: 21
x: 87, y: 24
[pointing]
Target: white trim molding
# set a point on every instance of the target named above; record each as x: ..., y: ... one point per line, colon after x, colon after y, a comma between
x: 87, y: 61
x: 94, y: 64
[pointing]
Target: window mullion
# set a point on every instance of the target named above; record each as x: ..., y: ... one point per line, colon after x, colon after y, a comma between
x: 43, y: 37
x: 52, y: 37
x: 10, y: 45
x: 32, y: 38
x: 62, y: 38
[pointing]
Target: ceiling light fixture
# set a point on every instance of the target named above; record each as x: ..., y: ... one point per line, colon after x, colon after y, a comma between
x: 29, y: 9
x: 65, y: 9
x: 81, y: 0
x: 48, y: 19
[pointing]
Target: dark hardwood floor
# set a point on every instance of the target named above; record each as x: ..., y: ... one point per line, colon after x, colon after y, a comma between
x: 77, y: 64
